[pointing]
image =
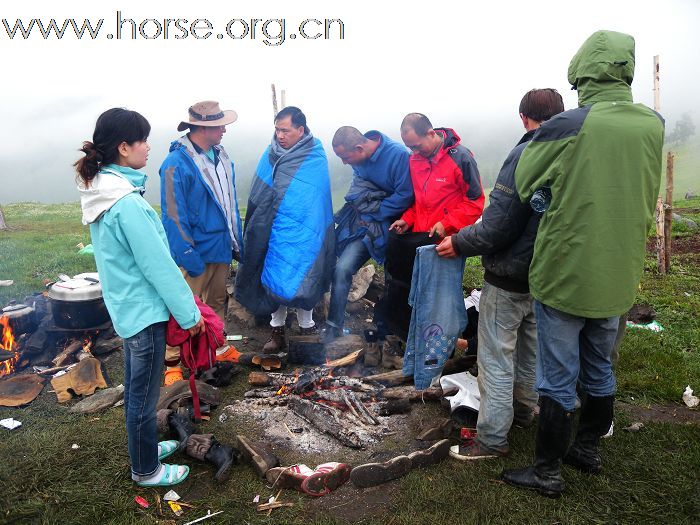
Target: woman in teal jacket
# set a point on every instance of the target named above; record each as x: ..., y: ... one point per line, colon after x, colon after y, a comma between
x: 141, y: 283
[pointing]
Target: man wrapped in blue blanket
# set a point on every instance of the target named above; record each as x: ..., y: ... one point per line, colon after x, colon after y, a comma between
x: 288, y: 234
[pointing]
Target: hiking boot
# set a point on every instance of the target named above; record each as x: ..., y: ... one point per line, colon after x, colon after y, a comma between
x: 596, y: 418
x: 259, y: 455
x: 474, y: 450
x: 372, y: 474
x: 312, y: 330
x: 326, y: 478
x: 222, y: 457
x: 441, y: 430
x: 430, y: 456
x: 277, y: 342
x: 553, y: 434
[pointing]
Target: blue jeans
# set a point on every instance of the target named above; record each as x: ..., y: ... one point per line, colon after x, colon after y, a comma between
x: 506, y: 358
x: 353, y: 257
x: 438, y: 317
x: 143, y: 366
x: 574, y: 349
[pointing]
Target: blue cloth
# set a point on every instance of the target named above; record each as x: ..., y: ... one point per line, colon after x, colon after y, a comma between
x: 353, y: 257
x: 144, y: 353
x: 195, y: 222
x: 386, y: 170
x: 438, y: 317
x: 289, y: 236
x: 355, y: 223
x: 141, y: 284
x: 573, y: 349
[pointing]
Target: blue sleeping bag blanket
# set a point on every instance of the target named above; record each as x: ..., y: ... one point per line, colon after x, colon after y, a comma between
x: 288, y: 233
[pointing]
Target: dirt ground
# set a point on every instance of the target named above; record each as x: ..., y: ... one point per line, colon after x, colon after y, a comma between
x: 661, y: 413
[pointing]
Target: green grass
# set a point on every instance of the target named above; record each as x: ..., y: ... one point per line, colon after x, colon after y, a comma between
x: 41, y: 244
x: 686, y: 167
x: 650, y: 476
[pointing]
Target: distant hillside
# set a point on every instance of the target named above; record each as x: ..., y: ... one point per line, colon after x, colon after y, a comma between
x: 686, y: 168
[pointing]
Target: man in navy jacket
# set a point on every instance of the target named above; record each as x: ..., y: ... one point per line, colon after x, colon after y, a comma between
x: 381, y: 190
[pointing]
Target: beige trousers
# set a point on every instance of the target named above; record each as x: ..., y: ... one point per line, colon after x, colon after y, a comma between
x: 210, y: 287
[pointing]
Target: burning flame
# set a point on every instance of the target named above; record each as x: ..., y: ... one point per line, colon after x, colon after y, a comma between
x: 7, y: 342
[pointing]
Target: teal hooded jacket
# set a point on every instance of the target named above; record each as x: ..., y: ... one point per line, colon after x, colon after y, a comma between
x: 141, y: 283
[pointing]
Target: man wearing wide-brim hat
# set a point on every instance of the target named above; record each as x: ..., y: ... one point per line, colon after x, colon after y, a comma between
x: 199, y: 208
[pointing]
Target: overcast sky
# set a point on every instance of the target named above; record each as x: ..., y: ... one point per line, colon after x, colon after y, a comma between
x: 464, y: 64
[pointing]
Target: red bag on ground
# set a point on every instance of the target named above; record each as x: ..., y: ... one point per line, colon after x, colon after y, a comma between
x: 197, y: 353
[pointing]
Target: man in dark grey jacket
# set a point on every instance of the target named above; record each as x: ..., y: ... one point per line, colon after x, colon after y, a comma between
x: 505, y: 238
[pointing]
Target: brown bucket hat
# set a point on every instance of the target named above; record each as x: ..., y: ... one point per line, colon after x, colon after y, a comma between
x: 207, y: 113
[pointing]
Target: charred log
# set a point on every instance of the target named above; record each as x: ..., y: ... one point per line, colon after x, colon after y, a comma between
x: 326, y: 419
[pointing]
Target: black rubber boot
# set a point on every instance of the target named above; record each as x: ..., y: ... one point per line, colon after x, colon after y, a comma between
x: 595, y: 420
x: 553, y: 434
x: 181, y: 427
x: 222, y: 457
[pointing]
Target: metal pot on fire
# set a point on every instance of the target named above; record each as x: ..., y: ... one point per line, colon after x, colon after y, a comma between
x: 76, y: 303
x: 22, y: 318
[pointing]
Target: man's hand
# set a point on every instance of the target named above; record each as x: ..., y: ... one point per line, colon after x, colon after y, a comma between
x: 399, y: 226
x: 445, y: 248
x: 196, y: 329
x: 438, y: 229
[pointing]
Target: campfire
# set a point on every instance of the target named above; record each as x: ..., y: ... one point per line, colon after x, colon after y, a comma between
x: 8, y: 349
x: 324, y: 408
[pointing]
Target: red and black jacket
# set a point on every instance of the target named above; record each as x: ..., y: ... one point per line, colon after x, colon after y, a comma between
x: 447, y: 187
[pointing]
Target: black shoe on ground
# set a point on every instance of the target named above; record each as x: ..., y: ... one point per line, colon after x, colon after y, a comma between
x: 222, y: 457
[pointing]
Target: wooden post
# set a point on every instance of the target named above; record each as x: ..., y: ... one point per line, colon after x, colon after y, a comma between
x: 3, y: 224
x: 660, y: 239
x: 274, y: 100
x: 668, y: 211
x: 284, y: 98
x: 661, y: 256
x: 657, y: 97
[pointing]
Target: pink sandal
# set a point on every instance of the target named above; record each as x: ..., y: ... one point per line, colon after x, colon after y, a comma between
x: 326, y: 478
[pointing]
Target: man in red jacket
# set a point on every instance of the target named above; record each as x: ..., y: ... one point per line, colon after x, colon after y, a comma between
x: 445, y: 178
x: 448, y: 197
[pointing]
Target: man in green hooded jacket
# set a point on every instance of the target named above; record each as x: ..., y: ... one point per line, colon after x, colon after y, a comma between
x: 602, y: 164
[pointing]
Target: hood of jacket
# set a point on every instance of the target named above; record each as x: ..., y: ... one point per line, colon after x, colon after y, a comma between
x: 452, y: 140
x: 603, y: 68
x: 110, y: 185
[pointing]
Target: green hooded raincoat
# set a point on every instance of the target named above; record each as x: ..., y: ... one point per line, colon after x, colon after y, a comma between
x: 602, y: 162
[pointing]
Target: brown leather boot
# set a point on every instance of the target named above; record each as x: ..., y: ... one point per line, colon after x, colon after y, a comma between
x: 277, y: 342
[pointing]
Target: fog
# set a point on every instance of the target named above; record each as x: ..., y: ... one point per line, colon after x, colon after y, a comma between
x: 464, y: 64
